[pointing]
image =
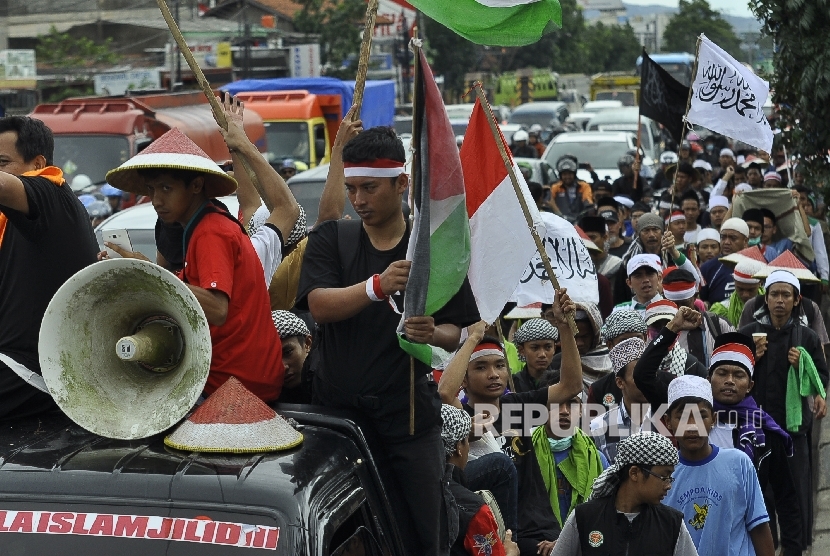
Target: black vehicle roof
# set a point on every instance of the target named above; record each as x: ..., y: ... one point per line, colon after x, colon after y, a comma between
x: 50, y: 461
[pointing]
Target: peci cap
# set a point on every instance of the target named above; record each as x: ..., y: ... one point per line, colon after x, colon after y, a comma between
x: 737, y: 225
x: 690, y: 386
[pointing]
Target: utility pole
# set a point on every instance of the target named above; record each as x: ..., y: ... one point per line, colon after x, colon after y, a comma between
x: 178, y: 63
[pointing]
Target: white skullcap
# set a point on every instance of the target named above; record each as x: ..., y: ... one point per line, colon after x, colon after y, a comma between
x: 778, y: 276
x: 668, y: 157
x: 707, y: 233
x: 746, y: 270
x: 743, y: 187
x: 625, y: 201
x: 736, y: 224
x: 690, y: 386
x: 718, y: 201
x: 727, y: 152
x: 702, y: 164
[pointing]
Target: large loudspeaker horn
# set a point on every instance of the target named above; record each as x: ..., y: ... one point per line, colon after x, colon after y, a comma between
x: 125, y: 348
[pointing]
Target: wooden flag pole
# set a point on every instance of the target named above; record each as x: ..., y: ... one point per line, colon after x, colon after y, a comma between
x: 416, y: 165
x: 491, y: 119
x: 365, y: 51
x: 218, y: 113
x: 685, y: 121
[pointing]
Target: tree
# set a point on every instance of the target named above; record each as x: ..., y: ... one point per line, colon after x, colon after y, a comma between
x: 451, y: 55
x: 338, y: 26
x: 62, y: 50
x: 611, y: 48
x: 696, y: 17
x: 801, y: 79
x: 562, y: 50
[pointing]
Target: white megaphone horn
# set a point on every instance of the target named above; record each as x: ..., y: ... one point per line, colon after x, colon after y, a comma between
x: 125, y: 348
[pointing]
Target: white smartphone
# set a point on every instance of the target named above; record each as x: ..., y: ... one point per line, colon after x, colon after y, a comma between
x: 117, y: 237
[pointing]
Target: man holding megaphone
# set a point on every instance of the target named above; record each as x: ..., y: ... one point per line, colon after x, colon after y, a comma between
x: 45, y: 238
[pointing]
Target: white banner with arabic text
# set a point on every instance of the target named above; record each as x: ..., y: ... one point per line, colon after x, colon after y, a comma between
x: 570, y: 261
x: 728, y: 98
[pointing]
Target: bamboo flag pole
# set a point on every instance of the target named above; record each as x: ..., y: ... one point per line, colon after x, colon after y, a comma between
x: 365, y: 51
x: 218, y: 113
x: 685, y: 122
x: 491, y: 119
x: 416, y: 166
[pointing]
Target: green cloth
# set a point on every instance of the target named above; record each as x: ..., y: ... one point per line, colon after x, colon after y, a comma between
x: 804, y: 382
x: 730, y: 310
x: 512, y: 354
x: 582, y: 466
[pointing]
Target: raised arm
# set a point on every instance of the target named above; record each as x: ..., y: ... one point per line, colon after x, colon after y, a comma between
x: 570, y: 379
x: 333, y: 198
x: 12, y: 192
x: 456, y: 369
x: 273, y: 189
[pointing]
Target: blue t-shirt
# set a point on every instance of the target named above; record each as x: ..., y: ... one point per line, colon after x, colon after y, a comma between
x: 721, y: 501
x: 719, y: 281
x: 563, y: 486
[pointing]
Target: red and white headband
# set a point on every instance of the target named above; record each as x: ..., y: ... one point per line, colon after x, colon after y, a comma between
x: 734, y: 353
x: 378, y: 168
x: 744, y: 278
x: 485, y: 349
x: 678, y: 291
x: 675, y: 216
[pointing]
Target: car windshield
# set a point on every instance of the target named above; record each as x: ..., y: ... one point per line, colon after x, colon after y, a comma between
x: 626, y: 97
x: 287, y: 140
x: 599, y: 154
x: 90, y: 155
x: 530, y: 118
x: 459, y: 112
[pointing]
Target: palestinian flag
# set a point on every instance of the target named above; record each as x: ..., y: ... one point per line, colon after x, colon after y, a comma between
x: 439, y: 245
x: 502, y: 246
x: 495, y: 22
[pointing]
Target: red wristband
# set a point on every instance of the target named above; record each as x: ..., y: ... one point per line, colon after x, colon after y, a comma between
x: 373, y: 289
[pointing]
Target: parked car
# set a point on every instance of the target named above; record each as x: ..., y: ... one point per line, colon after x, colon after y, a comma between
x: 600, y: 105
x: 579, y: 120
x: 547, y: 114
x: 600, y: 149
x: 460, y: 111
x: 625, y: 119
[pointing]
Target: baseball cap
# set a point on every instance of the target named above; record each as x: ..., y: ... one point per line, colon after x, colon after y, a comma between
x: 610, y: 215
x: 644, y: 259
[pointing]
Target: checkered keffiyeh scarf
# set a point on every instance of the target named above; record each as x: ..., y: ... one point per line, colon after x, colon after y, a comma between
x: 298, y: 232
x: 625, y: 352
x: 622, y: 322
x: 642, y: 448
x: 456, y: 427
x: 535, y: 329
x: 675, y: 361
x: 289, y: 324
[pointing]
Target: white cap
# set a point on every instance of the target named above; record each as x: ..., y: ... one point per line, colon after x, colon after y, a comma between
x: 746, y: 270
x: 778, y: 276
x: 668, y: 157
x: 702, y: 164
x: 718, y: 201
x: 627, y: 202
x: 743, y: 187
x: 690, y: 386
x: 727, y: 152
x: 741, y: 159
x: 520, y: 135
x: 641, y: 260
x: 707, y: 233
x: 736, y: 224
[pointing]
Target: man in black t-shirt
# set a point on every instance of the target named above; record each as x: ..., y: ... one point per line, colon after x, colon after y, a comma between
x: 45, y: 237
x: 352, y: 272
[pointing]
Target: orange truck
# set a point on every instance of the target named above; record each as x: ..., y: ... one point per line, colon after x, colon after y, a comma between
x: 302, y: 115
x: 96, y: 134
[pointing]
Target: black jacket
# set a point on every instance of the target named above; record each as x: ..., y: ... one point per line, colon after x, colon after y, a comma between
x: 605, y: 532
x: 771, y: 369
x: 654, y: 384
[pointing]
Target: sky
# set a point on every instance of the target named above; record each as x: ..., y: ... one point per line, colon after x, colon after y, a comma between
x: 731, y: 7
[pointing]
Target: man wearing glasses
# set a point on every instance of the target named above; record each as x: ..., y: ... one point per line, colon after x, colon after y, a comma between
x: 626, y: 499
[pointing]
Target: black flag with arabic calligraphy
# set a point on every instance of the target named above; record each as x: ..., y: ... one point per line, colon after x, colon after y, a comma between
x: 662, y: 97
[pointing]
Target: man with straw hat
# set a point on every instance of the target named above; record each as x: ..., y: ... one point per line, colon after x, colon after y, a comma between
x: 221, y: 267
x: 624, y: 514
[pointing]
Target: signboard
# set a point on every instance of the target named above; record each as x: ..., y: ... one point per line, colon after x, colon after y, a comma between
x: 207, y: 55
x: 305, y: 60
x: 17, y: 64
x: 399, y: 13
x: 119, y: 83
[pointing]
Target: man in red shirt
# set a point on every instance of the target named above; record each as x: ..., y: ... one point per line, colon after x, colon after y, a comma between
x: 221, y: 266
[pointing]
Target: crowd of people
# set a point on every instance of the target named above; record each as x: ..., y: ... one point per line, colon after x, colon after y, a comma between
x: 673, y: 417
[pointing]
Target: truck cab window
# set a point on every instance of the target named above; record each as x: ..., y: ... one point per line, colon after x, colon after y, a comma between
x: 319, y: 142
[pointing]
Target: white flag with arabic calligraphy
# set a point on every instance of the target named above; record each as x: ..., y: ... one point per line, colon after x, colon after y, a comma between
x: 728, y: 98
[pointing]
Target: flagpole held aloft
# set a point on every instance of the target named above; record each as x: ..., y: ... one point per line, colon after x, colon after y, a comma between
x: 491, y: 119
x: 218, y: 113
x: 365, y: 51
x: 685, y: 121
x: 415, y: 45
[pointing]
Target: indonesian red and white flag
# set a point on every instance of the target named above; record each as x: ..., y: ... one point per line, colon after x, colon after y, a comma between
x: 500, y: 243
